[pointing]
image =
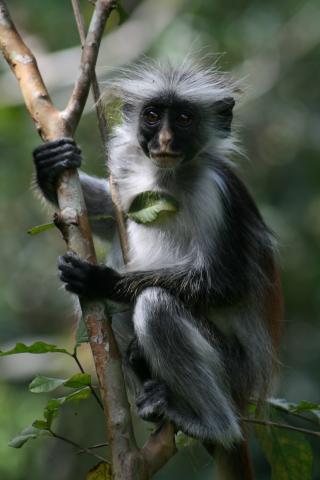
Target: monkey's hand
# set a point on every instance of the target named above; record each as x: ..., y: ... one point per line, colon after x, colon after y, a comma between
x: 152, y: 401
x: 51, y: 159
x: 86, y: 279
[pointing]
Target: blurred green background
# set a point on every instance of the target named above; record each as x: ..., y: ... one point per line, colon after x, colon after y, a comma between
x: 274, y: 48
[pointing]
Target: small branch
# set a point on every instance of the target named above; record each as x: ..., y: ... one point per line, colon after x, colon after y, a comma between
x: 89, y: 56
x: 160, y: 447
x: 92, y: 447
x: 103, y: 128
x: 268, y: 423
x: 74, y: 444
x: 74, y: 356
x: 46, y: 117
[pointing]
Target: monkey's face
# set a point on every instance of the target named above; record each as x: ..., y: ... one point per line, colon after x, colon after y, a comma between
x: 170, y: 131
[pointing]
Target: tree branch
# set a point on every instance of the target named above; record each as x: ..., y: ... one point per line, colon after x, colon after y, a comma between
x: 161, y: 445
x: 128, y: 463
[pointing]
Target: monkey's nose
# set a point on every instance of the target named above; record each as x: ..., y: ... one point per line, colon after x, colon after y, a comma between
x: 165, y: 138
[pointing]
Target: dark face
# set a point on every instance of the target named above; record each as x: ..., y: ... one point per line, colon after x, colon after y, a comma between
x: 170, y: 131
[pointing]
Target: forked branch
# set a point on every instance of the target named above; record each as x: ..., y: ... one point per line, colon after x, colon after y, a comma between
x: 128, y: 462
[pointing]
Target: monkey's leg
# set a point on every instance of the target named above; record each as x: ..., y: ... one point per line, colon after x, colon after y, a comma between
x: 189, y: 368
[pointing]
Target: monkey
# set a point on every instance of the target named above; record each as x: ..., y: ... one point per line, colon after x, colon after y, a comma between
x: 201, y: 334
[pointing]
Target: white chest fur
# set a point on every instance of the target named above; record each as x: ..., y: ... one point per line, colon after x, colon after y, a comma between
x: 187, y: 236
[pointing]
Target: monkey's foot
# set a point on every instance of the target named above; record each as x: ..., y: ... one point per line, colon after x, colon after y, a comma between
x: 152, y: 402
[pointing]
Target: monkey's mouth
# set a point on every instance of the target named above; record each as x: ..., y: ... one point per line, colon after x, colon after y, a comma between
x: 166, y: 159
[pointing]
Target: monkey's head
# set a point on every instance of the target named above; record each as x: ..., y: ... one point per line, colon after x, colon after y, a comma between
x: 175, y: 113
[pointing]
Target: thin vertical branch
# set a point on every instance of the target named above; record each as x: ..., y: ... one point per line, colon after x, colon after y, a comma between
x: 160, y: 446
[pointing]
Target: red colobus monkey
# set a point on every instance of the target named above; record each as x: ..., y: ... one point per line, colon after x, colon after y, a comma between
x: 202, y: 330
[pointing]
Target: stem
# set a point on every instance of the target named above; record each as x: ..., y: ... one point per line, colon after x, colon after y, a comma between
x: 103, y: 128
x: 74, y: 444
x: 92, y: 447
x: 74, y: 356
x: 268, y: 423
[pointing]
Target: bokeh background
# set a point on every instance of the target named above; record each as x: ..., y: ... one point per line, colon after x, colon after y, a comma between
x: 274, y: 48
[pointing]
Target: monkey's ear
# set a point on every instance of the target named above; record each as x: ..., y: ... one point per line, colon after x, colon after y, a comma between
x: 222, y: 110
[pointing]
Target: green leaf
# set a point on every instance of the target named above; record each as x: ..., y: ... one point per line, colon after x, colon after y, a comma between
x: 37, y: 347
x: 102, y: 471
x: 54, y: 404
x: 40, y: 425
x: 301, y: 407
x: 41, y: 228
x: 123, y: 14
x: 183, y: 440
x: 49, y: 226
x: 78, y: 380
x: 288, y: 452
x: 26, y: 434
x: 149, y: 207
x: 42, y: 384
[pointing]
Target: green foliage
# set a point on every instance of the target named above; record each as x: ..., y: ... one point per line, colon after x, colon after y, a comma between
x: 149, y: 207
x: 300, y: 408
x: 41, y: 228
x: 42, y: 384
x: 29, y: 433
x: 102, y: 471
x: 289, y: 454
x: 37, y: 347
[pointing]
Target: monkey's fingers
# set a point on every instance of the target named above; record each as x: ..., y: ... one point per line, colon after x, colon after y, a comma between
x: 57, y: 145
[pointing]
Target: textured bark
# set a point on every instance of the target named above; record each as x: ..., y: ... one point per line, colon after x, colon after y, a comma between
x: 128, y: 462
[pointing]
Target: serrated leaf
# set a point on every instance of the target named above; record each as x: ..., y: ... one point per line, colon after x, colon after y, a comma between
x: 102, y: 471
x: 42, y: 384
x: 41, y: 228
x: 289, y: 453
x: 148, y: 207
x: 26, y: 434
x: 37, y: 347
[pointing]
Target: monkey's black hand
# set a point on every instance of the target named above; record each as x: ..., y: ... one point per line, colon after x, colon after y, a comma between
x: 51, y: 159
x: 152, y: 401
x: 86, y: 279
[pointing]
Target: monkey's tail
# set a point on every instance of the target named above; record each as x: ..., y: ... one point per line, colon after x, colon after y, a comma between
x: 234, y: 463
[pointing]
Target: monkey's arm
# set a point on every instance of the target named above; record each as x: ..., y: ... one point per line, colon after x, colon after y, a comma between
x: 51, y: 160
x: 192, y: 285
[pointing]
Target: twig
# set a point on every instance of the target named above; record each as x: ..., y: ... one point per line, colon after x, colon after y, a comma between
x: 74, y: 444
x: 75, y: 357
x: 268, y: 423
x: 92, y: 447
x: 89, y: 56
x: 103, y: 128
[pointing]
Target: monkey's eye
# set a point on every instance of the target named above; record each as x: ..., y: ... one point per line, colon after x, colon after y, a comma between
x: 151, y: 117
x: 184, y: 119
